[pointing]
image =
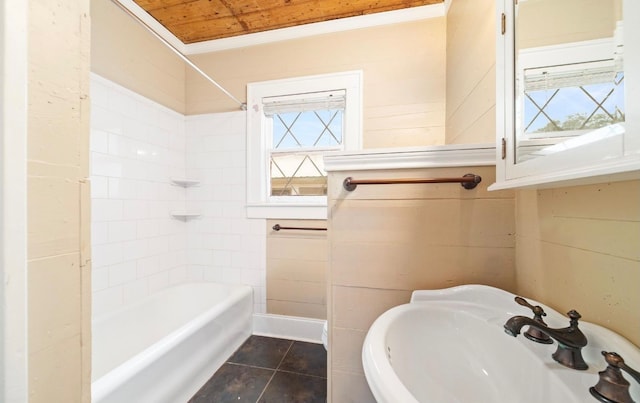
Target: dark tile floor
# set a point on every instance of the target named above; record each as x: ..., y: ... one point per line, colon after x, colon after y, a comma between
x: 269, y: 370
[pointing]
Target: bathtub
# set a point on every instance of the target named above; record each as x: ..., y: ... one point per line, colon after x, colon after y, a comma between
x: 164, y: 348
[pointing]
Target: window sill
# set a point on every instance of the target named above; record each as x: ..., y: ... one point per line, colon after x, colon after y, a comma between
x: 288, y: 211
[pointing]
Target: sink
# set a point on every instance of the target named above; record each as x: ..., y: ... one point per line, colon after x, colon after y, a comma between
x: 450, y: 346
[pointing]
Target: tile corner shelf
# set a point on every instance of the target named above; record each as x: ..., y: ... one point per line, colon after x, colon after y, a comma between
x: 185, y: 214
x: 185, y: 182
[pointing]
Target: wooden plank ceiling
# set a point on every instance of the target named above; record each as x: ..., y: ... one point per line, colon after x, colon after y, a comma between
x: 201, y: 20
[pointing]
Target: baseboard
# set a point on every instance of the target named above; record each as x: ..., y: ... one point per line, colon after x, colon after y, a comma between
x: 288, y: 327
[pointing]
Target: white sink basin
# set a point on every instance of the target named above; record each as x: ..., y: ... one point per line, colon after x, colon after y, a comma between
x: 449, y: 346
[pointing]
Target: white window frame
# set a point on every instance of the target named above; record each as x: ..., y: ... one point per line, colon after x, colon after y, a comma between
x: 259, y: 204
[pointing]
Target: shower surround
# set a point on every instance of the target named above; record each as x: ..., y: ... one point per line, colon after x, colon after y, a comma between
x: 137, y: 147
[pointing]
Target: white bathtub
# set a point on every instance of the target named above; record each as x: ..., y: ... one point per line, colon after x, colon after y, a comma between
x: 164, y: 347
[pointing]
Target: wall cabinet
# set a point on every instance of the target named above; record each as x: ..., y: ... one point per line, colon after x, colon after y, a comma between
x: 551, y: 99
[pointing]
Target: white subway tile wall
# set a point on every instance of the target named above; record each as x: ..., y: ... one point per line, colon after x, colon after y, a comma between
x: 137, y: 146
x: 223, y: 245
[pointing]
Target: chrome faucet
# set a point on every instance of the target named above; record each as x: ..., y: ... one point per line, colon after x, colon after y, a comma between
x: 570, y: 339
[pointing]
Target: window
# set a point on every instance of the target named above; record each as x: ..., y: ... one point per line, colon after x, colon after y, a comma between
x: 566, y: 94
x: 291, y: 125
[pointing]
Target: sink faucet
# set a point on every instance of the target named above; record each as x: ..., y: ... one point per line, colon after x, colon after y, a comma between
x: 570, y: 339
x: 612, y: 387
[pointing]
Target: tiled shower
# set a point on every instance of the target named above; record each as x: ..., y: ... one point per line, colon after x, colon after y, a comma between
x: 137, y: 148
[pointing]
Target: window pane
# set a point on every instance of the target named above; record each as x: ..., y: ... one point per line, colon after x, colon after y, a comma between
x: 298, y: 175
x: 320, y: 128
x: 580, y: 99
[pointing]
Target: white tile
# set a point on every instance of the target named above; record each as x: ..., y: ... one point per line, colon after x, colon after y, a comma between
x: 106, y: 300
x: 233, y: 176
x: 122, y: 273
x: 134, y: 209
x: 106, y: 254
x: 211, y: 273
x: 99, y: 187
x: 254, y: 243
x: 99, y: 278
x: 195, y: 273
x: 231, y: 275
x: 134, y: 249
x: 253, y: 277
x: 178, y: 275
x: 106, y: 210
x: 106, y: 165
x: 147, y: 112
x: 99, y: 232
x: 134, y: 129
x: 159, y: 136
x: 106, y: 120
x: 135, y: 290
x: 147, y: 266
x: 158, y: 245
x: 201, y: 257
x: 122, y: 231
x: 221, y: 258
x: 99, y: 141
x: 148, y: 228
x: 123, y: 188
x: 234, y: 210
x: 122, y: 103
x: 100, y: 94
x: 221, y: 192
x: 158, y: 282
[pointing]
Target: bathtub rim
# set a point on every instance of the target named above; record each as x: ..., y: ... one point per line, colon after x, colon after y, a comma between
x: 109, y: 381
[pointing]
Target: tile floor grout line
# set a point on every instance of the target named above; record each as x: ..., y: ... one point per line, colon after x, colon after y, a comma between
x: 285, y: 354
x: 274, y: 373
x: 266, y: 386
x: 250, y: 366
x: 301, y: 373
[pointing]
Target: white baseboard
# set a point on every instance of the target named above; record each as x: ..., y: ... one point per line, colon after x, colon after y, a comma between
x: 288, y: 327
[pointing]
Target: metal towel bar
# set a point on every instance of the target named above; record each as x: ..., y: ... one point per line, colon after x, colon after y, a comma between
x: 278, y: 227
x: 468, y: 181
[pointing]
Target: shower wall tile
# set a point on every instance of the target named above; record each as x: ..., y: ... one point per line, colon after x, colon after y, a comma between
x: 136, y: 147
x: 223, y: 245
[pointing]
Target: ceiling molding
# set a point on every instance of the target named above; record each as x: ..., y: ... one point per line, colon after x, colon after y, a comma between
x: 283, y: 34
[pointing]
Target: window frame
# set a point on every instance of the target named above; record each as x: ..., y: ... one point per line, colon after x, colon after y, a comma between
x: 259, y: 202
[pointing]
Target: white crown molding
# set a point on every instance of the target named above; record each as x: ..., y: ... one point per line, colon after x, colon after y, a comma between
x: 277, y: 35
x: 427, y: 157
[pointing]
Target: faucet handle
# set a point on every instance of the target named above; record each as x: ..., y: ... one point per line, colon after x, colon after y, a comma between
x: 612, y: 387
x: 535, y: 334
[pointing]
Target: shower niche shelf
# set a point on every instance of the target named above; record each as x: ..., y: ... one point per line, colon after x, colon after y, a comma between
x: 185, y: 183
x: 185, y: 215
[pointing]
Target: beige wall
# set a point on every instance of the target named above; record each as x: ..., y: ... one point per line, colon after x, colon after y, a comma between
x: 578, y: 248
x: 404, y: 77
x: 386, y: 241
x: 297, y: 269
x: 471, y: 74
x: 126, y: 53
x: 562, y: 24
x: 58, y: 241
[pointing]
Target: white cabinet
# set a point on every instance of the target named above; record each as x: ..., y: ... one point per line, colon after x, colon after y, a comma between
x: 548, y: 59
